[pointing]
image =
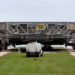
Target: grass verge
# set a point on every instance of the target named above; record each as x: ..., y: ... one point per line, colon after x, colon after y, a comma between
x: 59, y: 63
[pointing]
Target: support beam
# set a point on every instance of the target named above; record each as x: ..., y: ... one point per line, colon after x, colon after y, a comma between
x: 5, y: 43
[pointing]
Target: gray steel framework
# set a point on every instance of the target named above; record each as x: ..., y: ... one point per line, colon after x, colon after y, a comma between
x: 44, y: 31
x: 36, y: 30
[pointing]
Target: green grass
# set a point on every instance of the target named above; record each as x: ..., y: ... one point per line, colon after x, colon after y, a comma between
x: 21, y: 47
x: 57, y: 47
x: 59, y: 63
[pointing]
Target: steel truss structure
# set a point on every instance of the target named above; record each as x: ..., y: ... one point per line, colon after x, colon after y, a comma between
x: 42, y: 31
x: 37, y: 29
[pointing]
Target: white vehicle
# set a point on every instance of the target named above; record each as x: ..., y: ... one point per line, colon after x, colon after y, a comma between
x: 20, y: 46
x: 10, y: 47
x: 34, y: 49
x: 69, y: 47
x: 58, y: 46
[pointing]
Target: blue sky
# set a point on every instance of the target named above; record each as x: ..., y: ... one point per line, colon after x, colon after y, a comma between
x: 37, y: 10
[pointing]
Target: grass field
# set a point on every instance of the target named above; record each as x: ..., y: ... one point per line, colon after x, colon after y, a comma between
x: 58, y: 63
x: 58, y: 48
